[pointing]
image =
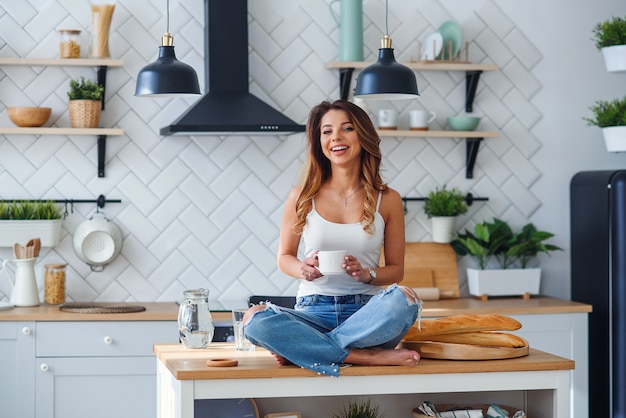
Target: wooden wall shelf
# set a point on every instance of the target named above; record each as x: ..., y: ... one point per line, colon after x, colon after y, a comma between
x: 102, y: 65
x: 472, y: 76
x: 101, y: 133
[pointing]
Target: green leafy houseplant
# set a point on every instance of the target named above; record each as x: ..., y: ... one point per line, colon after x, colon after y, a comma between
x: 29, y: 210
x: 608, y: 113
x: 85, y: 105
x: 81, y: 89
x: 356, y: 409
x: 445, y: 202
x: 610, y: 32
x: 497, y: 239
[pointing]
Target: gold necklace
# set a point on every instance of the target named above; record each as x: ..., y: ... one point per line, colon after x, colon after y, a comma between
x: 345, y: 198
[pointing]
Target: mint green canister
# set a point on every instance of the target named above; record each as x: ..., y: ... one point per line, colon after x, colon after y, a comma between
x: 350, y: 22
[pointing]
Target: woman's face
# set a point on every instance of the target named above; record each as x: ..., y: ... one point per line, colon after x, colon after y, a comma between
x: 338, y: 138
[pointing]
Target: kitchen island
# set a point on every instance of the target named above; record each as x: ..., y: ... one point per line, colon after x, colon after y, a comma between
x: 183, y: 376
x: 56, y: 355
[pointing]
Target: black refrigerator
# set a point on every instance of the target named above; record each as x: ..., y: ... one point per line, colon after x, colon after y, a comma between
x: 598, y: 245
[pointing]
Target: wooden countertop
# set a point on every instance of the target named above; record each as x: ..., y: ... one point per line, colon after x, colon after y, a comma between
x: 168, y: 311
x: 155, y: 311
x: 191, y: 364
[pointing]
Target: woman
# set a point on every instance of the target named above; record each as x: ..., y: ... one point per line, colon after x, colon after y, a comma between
x: 342, y: 204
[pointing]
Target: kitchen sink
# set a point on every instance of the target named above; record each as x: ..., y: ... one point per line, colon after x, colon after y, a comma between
x: 100, y: 307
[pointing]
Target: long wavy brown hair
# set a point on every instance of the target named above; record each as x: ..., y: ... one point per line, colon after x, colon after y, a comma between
x: 317, y: 170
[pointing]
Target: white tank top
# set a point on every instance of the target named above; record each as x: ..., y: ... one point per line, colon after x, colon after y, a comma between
x: 320, y: 234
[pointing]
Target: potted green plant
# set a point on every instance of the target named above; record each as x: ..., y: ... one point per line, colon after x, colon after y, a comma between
x: 497, y: 243
x: 610, y: 116
x: 26, y: 219
x: 85, y: 103
x: 442, y: 206
x: 356, y: 409
x: 610, y: 38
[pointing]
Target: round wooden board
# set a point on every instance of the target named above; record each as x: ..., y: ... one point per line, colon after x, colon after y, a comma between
x: 450, y: 351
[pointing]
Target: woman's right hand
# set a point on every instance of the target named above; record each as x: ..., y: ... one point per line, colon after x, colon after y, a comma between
x: 308, y: 268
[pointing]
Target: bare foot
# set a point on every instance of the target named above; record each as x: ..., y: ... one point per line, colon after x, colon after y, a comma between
x: 281, y: 360
x: 382, y: 357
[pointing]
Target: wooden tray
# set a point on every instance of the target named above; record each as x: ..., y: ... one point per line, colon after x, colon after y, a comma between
x: 449, y: 351
x: 429, y: 264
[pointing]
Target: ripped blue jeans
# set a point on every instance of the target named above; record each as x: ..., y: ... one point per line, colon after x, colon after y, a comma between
x: 319, y: 333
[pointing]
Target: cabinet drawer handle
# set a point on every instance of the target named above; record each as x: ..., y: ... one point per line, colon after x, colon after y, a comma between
x: 108, y: 340
x: 25, y: 330
x: 44, y: 367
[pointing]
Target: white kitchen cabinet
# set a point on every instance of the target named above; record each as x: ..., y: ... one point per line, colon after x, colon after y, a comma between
x: 564, y: 335
x: 80, y: 369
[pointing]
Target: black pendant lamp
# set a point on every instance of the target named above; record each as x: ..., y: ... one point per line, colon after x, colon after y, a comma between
x: 386, y: 79
x: 167, y: 76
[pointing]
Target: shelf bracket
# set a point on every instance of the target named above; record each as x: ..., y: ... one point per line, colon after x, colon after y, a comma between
x: 471, y: 82
x: 102, y: 80
x: 471, y: 152
x: 345, y: 78
x: 102, y: 145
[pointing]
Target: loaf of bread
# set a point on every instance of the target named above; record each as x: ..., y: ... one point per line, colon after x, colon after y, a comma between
x: 456, y: 324
x: 483, y: 338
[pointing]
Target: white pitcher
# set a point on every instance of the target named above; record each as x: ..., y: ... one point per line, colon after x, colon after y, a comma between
x: 24, y: 283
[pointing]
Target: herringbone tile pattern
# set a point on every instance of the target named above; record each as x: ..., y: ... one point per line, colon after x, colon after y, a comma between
x: 205, y: 211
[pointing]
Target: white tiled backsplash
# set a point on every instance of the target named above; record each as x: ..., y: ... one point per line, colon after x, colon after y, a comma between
x: 205, y: 211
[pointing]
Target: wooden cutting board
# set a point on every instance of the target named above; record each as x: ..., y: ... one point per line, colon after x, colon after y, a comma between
x: 429, y: 264
x: 449, y: 351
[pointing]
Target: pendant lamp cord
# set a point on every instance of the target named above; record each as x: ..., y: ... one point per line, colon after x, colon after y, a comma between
x: 386, y: 16
x: 168, y: 16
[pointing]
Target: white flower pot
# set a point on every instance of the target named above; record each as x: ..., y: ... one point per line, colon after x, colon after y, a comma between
x: 508, y: 282
x: 12, y: 232
x: 615, y: 138
x: 442, y: 228
x: 615, y: 58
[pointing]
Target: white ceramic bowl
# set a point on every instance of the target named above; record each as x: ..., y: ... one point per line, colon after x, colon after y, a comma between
x: 97, y: 241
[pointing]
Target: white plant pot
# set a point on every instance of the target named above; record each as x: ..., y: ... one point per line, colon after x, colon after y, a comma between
x: 615, y: 138
x: 12, y: 232
x: 442, y: 228
x: 507, y: 282
x: 615, y: 58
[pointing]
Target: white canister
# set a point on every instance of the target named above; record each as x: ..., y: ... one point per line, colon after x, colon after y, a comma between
x: 420, y: 119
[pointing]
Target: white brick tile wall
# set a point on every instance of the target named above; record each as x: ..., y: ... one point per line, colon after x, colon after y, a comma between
x: 205, y: 211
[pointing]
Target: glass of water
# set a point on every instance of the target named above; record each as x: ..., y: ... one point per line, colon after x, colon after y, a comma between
x: 241, y: 342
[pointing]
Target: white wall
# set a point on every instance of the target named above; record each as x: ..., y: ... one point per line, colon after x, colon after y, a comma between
x: 205, y: 211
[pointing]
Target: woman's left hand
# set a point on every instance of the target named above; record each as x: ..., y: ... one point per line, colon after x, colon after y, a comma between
x: 355, y: 269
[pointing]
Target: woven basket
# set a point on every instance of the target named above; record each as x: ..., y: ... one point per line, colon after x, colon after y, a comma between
x: 85, y: 113
x: 449, y: 407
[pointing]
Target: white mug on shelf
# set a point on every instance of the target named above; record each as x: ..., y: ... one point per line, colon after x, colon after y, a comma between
x: 387, y: 119
x: 420, y: 119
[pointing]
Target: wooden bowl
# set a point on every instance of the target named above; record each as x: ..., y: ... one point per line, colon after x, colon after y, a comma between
x: 24, y: 116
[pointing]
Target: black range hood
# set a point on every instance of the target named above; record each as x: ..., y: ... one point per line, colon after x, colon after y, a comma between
x: 228, y: 107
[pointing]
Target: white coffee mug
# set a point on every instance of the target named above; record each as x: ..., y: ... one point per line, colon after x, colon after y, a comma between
x: 388, y: 119
x: 420, y: 119
x: 330, y: 262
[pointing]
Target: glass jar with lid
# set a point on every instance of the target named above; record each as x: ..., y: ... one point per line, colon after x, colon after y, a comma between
x: 195, y: 324
x: 69, y: 44
x: 54, y: 286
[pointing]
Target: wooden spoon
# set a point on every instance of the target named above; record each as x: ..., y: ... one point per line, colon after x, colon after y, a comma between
x: 29, y: 248
x: 37, y: 247
x: 17, y: 250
